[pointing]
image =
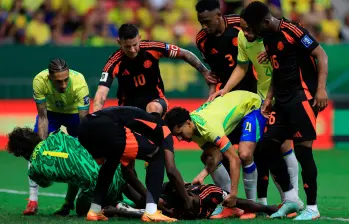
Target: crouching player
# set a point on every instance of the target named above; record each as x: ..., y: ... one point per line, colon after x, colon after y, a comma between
x: 61, y: 158
x: 234, y: 118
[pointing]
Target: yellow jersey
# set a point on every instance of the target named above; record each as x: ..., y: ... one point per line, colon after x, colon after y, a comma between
x: 248, y: 52
x: 215, y: 120
x: 75, y: 98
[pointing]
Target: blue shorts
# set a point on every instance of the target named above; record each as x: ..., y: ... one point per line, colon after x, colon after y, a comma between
x: 253, y: 125
x: 56, y: 120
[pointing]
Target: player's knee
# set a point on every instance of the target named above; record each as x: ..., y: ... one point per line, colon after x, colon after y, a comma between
x: 286, y: 146
x: 154, y: 107
x: 246, y: 157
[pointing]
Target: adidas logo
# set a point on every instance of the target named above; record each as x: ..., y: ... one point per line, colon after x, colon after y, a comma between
x: 214, y: 51
x: 298, y: 135
x: 126, y: 72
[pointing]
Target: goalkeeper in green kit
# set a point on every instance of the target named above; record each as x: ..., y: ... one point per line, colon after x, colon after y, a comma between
x: 61, y: 158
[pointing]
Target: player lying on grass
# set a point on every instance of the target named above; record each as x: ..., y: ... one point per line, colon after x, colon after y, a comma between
x: 206, y: 198
x: 107, y: 134
x: 61, y: 158
x: 232, y: 119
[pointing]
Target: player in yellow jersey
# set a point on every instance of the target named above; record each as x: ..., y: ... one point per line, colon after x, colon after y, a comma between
x: 215, y: 125
x: 251, y: 50
x: 62, y: 98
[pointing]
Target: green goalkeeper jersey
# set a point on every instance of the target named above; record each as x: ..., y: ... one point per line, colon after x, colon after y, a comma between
x: 61, y: 158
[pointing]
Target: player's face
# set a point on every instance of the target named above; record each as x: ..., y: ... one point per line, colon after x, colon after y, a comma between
x: 185, y: 132
x: 247, y: 31
x: 209, y: 21
x: 60, y: 80
x: 261, y: 29
x: 130, y: 46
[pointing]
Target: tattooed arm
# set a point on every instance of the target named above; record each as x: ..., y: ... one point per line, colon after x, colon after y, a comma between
x: 195, y: 62
x: 100, y: 98
x: 42, y: 120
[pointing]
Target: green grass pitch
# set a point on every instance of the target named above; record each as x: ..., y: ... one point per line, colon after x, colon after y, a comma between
x: 333, y: 192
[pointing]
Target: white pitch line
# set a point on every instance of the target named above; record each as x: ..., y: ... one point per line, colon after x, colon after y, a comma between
x: 335, y: 219
x: 9, y: 191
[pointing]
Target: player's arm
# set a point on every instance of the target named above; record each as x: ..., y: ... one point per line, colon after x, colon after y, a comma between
x: 130, y: 177
x: 40, y: 100
x: 83, y: 99
x: 110, y: 70
x: 172, y: 172
x: 308, y: 44
x: 234, y: 166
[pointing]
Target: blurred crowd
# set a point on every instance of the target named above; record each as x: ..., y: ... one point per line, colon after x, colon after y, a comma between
x: 96, y: 22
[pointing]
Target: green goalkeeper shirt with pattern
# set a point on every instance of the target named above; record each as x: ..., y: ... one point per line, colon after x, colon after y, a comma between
x: 61, y: 158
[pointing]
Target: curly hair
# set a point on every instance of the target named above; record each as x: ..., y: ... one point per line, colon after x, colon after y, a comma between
x: 207, y: 5
x: 22, y: 141
x: 177, y: 116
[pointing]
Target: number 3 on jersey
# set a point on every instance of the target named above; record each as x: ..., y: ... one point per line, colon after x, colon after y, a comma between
x: 139, y: 80
x: 230, y: 59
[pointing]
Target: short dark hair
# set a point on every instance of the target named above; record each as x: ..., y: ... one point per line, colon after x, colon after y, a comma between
x: 128, y: 31
x: 22, y: 141
x: 177, y: 116
x: 255, y: 13
x: 57, y: 65
x: 207, y: 5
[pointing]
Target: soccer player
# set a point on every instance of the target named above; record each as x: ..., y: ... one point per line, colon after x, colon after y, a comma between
x: 251, y: 50
x: 218, y: 44
x: 107, y: 134
x: 62, y: 98
x: 61, y: 158
x: 136, y: 67
x: 234, y: 118
x: 300, y: 68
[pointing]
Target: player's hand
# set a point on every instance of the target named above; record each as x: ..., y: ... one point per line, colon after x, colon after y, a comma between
x: 162, y: 206
x: 321, y: 99
x: 210, y: 77
x: 230, y: 201
x: 198, y: 181
x: 266, y: 108
x: 262, y: 57
x: 220, y: 92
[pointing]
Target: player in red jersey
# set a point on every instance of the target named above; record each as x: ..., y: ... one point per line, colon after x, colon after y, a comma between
x: 300, y: 68
x: 136, y: 67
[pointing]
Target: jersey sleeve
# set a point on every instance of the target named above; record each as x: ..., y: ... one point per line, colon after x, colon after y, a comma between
x: 242, y: 56
x: 111, y: 69
x: 161, y: 49
x: 301, y: 37
x: 168, y: 139
x: 83, y: 95
x: 214, y: 133
x: 200, y: 44
x: 41, y: 180
x: 39, y: 92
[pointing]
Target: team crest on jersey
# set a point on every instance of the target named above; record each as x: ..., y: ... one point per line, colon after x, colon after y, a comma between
x: 280, y: 46
x: 235, y: 41
x: 59, y: 104
x: 147, y: 64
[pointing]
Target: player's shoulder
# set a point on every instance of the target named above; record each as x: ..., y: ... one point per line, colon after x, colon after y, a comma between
x: 241, y: 38
x: 200, y: 36
x: 42, y: 76
x: 115, y: 56
x: 232, y: 20
x: 151, y: 44
x: 291, y: 28
x: 76, y: 76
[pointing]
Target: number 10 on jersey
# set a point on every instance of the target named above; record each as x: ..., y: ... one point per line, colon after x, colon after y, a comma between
x: 139, y: 80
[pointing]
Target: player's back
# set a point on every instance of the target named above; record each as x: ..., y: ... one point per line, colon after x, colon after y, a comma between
x: 248, y: 52
x: 295, y: 72
x: 61, y: 158
x: 76, y: 96
x: 137, y: 120
x: 220, y: 52
x: 226, y: 111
